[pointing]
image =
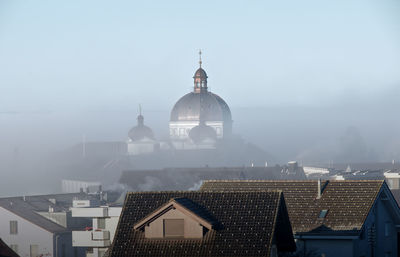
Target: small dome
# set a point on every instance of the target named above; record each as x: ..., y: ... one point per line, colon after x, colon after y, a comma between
x: 140, y: 131
x: 202, y: 132
x: 200, y: 73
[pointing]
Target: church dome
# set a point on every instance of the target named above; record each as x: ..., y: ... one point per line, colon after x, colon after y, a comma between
x: 201, y: 102
x: 140, y: 131
x: 200, y: 107
x: 209, y: 106
x: 202, y: 132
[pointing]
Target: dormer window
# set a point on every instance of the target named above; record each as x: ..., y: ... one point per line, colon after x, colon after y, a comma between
x: 179, y: 218
x: 174, y: 228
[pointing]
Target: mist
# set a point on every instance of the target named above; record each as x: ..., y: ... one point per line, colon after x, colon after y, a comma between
x: 313, y: 82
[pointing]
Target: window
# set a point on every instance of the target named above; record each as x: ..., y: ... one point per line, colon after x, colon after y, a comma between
x: 322, y: 214
x: 13, y: 227
x: 34, y: 251
x: 387, y: 229
x: 173, y: 228
x: 14, y: 248
x: 101, y: 223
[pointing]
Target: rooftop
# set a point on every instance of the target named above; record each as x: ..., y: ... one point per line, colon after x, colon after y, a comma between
x: 347, y: 203
x: 247, y: 223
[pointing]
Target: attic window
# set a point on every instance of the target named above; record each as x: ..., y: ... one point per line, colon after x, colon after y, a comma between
x: 173, y: 228
x: 322, y: 214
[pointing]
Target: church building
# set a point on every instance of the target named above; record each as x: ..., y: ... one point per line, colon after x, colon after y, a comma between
x: 199, y: 118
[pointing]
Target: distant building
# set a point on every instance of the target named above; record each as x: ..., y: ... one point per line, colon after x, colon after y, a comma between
x: 77, y: 186
x: 97, y: 238
x: 392, y: 179
x: 200, y: 118
x: 333, y: 218
x: 141, y: 139
x: 203, y: 224
x: 40, y: 225
x: 191, y: 178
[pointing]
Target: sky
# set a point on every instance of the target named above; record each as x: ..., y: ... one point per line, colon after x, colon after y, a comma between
x: 103, y: 55
x: 74, y: 68
x: 315, y: 81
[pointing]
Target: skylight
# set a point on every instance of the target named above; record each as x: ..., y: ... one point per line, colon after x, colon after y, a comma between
x: 322, y: 214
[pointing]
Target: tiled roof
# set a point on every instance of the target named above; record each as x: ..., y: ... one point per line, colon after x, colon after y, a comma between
x: 347, y: 202
x: 248, y: 222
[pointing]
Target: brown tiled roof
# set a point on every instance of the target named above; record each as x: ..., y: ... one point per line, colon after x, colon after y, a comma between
x: 247, y: 223
x: 347, y: 202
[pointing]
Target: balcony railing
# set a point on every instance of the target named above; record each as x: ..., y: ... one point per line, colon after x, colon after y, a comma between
x: 99, y: 238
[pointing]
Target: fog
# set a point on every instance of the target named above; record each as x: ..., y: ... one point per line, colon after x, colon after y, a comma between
x: 316, y: 82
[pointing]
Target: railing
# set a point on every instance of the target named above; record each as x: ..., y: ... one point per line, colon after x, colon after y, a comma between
x: 97, y: 238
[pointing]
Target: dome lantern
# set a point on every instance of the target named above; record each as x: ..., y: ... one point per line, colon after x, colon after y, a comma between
x: 200, y: 78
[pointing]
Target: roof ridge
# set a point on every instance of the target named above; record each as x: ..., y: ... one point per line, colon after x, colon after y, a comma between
x: 298, y: 180
x: 205, y: 192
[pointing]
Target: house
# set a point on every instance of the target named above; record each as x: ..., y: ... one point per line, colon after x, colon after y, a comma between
x: 6, y: 251
x: 40, y: 225
x: 333, y: 218
x: 196, y: 223
x: 97, y: 238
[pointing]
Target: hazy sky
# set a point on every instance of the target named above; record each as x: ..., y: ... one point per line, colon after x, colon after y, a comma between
x: 102, y: 55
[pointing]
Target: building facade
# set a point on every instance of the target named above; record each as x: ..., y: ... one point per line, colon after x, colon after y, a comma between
x: 97, y: 238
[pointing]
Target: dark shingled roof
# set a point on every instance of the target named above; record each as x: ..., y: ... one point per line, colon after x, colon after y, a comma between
x: 248, y: 221
x: 6, y: 251
x: 348, y: 202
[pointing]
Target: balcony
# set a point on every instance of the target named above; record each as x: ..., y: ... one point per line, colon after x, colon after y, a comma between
x: 91, y: 238
x: 90, y: 212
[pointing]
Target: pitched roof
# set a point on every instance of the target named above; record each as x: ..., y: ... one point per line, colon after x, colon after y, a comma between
x: 6, y: 251
x: 29, y: 206
x: 248, y: 221
x: 185, y: 205
x: 347, y: 202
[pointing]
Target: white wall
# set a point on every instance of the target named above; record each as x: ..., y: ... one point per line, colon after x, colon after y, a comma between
x: 28, y: 234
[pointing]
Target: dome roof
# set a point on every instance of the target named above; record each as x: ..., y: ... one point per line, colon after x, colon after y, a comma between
x: 140, y: 131
x: 200, y: 73
x: 202, y: 132
x: 209, y: 105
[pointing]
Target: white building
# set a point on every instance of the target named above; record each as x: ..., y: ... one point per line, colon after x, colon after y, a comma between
x: 38, y: 226
x: 141, y: 139
x: 99, y: 237
x: 392, y: 179
x: 76, y: 186
x: 203, y: 110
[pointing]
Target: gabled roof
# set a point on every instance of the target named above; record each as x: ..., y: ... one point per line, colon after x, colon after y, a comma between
x: 184, y: 205
x: 28, y: 207
x: 247, y: 223
x: 6, y: 251
x: 347, y: 202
